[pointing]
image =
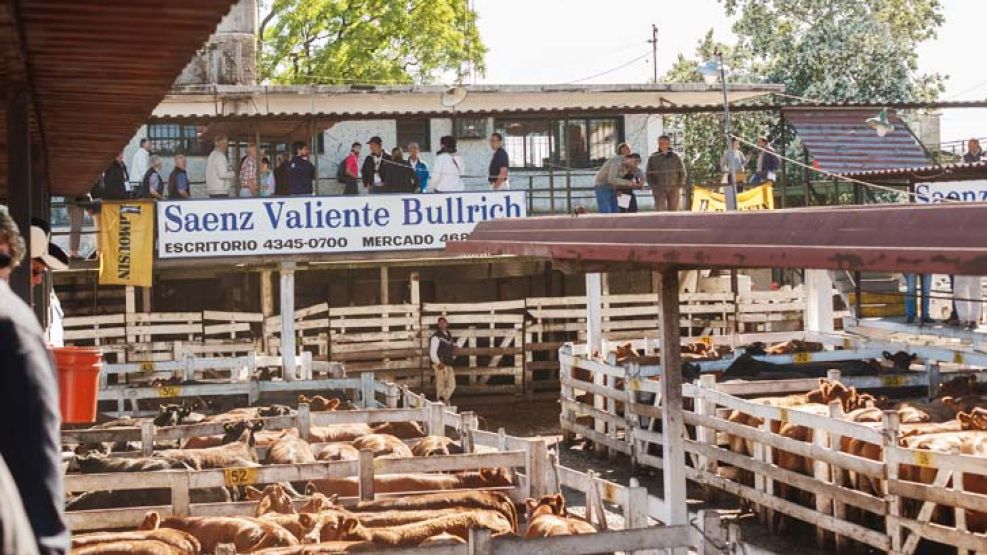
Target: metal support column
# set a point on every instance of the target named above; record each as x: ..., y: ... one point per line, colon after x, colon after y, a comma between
x: 673, y: 452
x: 19, y: 183
x: 288, y: 321
x: 819, y: 301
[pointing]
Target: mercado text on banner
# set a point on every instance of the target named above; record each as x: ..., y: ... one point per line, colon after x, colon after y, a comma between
x: 759, y: 198
x: 126, y: 243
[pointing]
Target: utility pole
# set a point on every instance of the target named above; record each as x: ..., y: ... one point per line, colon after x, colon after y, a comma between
x: 654, y: 51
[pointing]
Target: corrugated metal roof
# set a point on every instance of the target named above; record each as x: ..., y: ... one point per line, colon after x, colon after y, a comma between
x: 363, y: 102
x: 840, y: 141
x: 97, y: 70
x: 944, y: 172
x: 917, y: 238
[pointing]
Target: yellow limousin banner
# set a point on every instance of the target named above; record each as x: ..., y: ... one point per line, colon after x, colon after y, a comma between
x: 759, y: 198
x: 126, y: 243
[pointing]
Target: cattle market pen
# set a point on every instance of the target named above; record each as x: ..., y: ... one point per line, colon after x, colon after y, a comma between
x: 919, y: 239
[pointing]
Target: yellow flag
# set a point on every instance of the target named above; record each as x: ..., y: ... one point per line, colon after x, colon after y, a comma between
x: 126, y: 243
x: 761, y: 197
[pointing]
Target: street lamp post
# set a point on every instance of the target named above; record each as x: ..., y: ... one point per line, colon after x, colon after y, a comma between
x: 714, y: 70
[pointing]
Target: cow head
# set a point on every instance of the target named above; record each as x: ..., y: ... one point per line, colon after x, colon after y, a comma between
x: 400, y: 430
x: 960, y: 385
x: 151, y: 521
x: 496, y: 477
x: 317, y: 502
x: 900, y: 360
x: 756, y: 349
x: 337, y: 526
x: 547, y: 504
x: 320, y: 403
x: 242, y: 430
x: 274, y: 410
x: 274, y: 499
x: 625, y: 352
x: 95, y: 449
x: 974, y: 420
x: 829, y: 390
x: 170, y: 415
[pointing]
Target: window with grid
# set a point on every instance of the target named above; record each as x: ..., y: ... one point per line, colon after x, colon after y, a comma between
x: 169, y: 139
x: 469, y: 128
x: 418, y: 130
x: 579, y: 142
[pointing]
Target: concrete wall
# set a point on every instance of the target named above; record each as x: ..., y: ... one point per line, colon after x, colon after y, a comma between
x: 229, y: 57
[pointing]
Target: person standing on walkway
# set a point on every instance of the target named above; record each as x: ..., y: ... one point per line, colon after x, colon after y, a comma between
x: 767, y: 162
x: 248, y: 173
x: 30, y: 443
x: 626, y: 201
x: 178, y: 184
x: 968, y: 295
x: 400, y: 176
x: 732, y: 164
x: 301, y: 172
x: 974, y: 153
x: 911, y: 310
x: 667, y: 176
x: 447, y: 172
x: 152, y: 186
x: 442, y: 353
x: 266, y: 178
x: 116, y: 180
x: 608, y: 180
x: 219, y: 176
x: 281, y: 175
x: 349, y: 170
x: 421, y: 168
x: 375, y: 167
x: 499, y: 164
x: 139, y: 165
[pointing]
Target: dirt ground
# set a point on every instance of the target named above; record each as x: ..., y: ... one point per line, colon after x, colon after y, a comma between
x: 540, y: 418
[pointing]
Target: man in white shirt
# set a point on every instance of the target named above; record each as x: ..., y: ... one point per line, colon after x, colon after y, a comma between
x: 139, y: 165
x: 218, y: 172
x: 442, y: 353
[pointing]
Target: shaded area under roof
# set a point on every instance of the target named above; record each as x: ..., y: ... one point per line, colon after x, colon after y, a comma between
x: 96, y: 70
x: 840, y: 141
x: 920, y: 239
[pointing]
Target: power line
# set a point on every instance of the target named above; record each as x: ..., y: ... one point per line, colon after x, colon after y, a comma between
x: 611, y: 70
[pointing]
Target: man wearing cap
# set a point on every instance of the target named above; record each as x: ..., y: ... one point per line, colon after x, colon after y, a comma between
x: 29, y: 439
x: 48, y: 256
x: 375, y: 166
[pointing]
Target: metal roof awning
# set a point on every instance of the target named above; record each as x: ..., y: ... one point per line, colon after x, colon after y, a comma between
x: 920, y: 239
x: 95, y: 71
x: 944, y: 172
x: 387, y: 102
x: 839, y: 140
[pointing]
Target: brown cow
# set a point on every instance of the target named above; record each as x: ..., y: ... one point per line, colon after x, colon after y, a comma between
x: 338, y: 452
x: 393, y: 483
x: 436, y: 445
x: 492, y: 500
x: 237, y: 453
x: 181, y: 542
x: 338, y: 432
x: 251, y: 413
x: 274, y: 499
x: 382, y: 445
x: 304, y: 526
x: 129, y: 547
x: 246, y: 534
x: 548, y: 517
x: 289, y: 449
x: 400, y: 430
x: 99, y: 464
x: 320, y: 403
x: 338, y: 527
x: 262, y: 438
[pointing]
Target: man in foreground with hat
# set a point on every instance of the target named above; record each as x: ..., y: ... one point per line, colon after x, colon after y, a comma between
x: 29, y: 438
x: 48, y: 256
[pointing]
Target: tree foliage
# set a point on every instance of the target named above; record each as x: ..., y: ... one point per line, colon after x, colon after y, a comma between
x: 825, y: 50
x: 346, y: 41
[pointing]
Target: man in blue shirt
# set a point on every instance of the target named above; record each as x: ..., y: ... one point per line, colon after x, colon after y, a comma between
x: 421, y: 168
x: 301, y: 172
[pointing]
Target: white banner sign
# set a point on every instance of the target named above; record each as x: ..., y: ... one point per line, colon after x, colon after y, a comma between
x: 961, y: 191
x: 302, y: 225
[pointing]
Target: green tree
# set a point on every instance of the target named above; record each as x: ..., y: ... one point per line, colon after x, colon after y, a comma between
x: 345, y: 41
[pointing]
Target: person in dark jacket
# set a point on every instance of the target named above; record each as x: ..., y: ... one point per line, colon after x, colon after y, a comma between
x: 301, y: 172
x: 375, y: 167
x: 281, y: 175
x: 767, y: 162
x: 178, y: 184
x: 29, y: 440
x: 115, y: 180
x: 152, y: 186
x: 400, y: 176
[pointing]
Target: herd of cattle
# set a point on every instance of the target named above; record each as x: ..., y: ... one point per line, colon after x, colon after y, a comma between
x: 955, y: 423
x: 286, y: 521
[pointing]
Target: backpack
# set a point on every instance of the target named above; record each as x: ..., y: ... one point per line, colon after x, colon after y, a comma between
x: 341, y: 174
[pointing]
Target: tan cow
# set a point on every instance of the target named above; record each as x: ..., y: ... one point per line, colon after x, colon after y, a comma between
x: 436, y: 445
x: 246, y: 534
x: 180, y: 542
x: 382, y: 445
x: 548, y: 517
x: 394, y: 483
x: 319, y: 403
x: 238, y: 453
x: 289, y: 449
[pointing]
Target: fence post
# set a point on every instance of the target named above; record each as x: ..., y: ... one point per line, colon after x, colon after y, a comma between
x: 367, y: 390
x: 147, y: 438
x: 180, y: 493
x: 251, y: 365
x: 366, y: 467
x: 935, y: 379
x: 304, y: 420
x: 537, y: 461
x: 889, y: 421
x: 839, y: 474
x: 306, y: 372
x: 480, y: 539
x: 436, y: 426
x: 706, y: 436
x: 466, y: 433
x: 501, y: 439
x: 713, y: 541
x: 568, y: 393
x: 393, y: 395
x: 188, y: 363
x: 833, y: 374
x: 821, y: 472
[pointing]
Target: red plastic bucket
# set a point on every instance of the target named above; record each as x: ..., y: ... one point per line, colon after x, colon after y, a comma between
x: 78, y: 382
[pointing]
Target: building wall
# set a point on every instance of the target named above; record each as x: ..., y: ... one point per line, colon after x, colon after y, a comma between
x: 641, y: 131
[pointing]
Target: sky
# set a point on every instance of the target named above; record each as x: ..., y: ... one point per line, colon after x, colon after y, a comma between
x: 551, y: 41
